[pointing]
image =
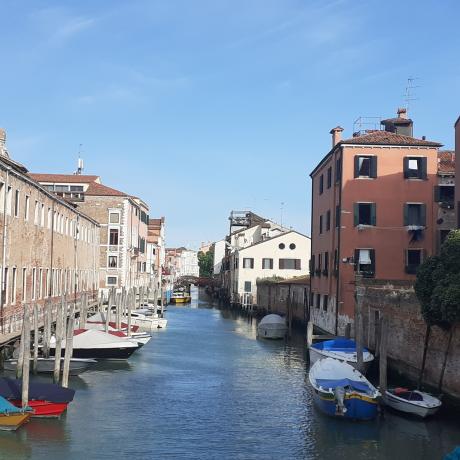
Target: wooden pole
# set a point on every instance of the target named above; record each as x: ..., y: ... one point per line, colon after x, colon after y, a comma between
x: 130, y: 300
x: 107, y: 312
x: 359, y: 322
x: 46, y: 329
x: 83, y: 310
x: 35, y: 367
x: 26, y: 363
x: 309, y: 333
x: 60, y: 315
x: 20, y: 364
x: 118, y: 311
x: 383, y: 354
x: 68, y: 346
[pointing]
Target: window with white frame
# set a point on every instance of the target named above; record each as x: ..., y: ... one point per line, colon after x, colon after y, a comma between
x: 9, y: 200
x: 34, y: 283
x: 16, y: 203
x: 114, y: 217
x: 26, y: 208
x: 267, y: 264
x: 112, y: 280
x: 248, y: 262
x: 24, y: 284
x: 13, y: 285
x: 113, y: 262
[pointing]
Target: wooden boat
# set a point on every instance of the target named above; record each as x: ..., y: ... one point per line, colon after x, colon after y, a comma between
x: 412, y: 402
x: 12, y: 417
x: 45, y: 399
x: 272, y: 327
x: 180, y: 297
x: 94, y: 344
x: 341, y: 349
x: 46, y: 365
x: 342, y: 391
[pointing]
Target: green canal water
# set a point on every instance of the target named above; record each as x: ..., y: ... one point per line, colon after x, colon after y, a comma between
x: 206, y: 388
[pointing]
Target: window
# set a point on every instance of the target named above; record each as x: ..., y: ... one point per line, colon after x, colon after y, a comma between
x: 34, y: 283
x: 49, y: 218
x: 326, y: 264
x: 114, y: 217
x: 414, y: 168
x: 337, y: 216
x: 113, y: 237
x: 365, y: 166
x: 338, y: 169
x: 364, y: 214
x: 321, y: 184
x: 112, y: 281
x: 365, y: 262
x: 248, y: 262
x: 26, y: 208
x: 329, y: 177
x: 61, y: 188
x: 444, y: 194
x: 292, y: 246
x: 9, y: 199
x: 415, y: 214
x: 320, y: 265
x: 5, y: 281
x: 325, y: 302
x: 113, y: 261
x: 328, y: 220
x: 24, y: 284
x: 318, y: 300
x: 42, y: 215
x: 36, y: 213
x: 267, y: 264
x: 289, y: 264
x: 336, y: 262
x: 16, y: 203
x: 312, y: 265
x: 76, y: 188
x: 414, y: 258
x: 320, y: 224
x: 247, y: 286
x: 281, y: 245
x: 13, y: 285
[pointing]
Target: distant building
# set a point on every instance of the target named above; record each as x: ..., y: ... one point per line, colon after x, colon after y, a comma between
x: 219, y: 254
x: 156, y: 251
x: 123, y: 219
x: 182, y: 262
x: 372, y: 213
x: 206, y: 247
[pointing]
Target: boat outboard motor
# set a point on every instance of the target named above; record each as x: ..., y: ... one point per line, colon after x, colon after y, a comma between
x: 339, y: 393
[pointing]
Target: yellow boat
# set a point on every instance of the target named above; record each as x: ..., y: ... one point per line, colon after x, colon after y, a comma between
x: 180, y: 297
x: 11, y: 417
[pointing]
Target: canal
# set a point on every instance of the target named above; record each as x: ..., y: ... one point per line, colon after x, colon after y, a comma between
x: 206, y: 388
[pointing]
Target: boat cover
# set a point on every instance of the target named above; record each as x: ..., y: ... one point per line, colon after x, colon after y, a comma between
x: 8, y: 408
x: 344, y: 345
x: 334, y: 383
x: 273, y: 319
x: 12, y: 389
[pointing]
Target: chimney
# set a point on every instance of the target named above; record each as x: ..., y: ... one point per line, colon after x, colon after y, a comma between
x: 402, y: 113
x: 336, y: 135
x: 3, y: 142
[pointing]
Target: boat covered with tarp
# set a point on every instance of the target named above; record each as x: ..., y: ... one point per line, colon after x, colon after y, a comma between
x: 272, y: 326
x: 12, y: 417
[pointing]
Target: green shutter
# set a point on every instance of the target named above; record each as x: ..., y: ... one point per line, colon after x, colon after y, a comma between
x: 373, y: 167
x: 406, y: 167
x: 423, y: 215
x: 372, y: 254
x: 406, y: 214
x: 356, y: 166
x: 437, y: 193
x: 356, y: 214
x: 356, y: 259
x: 373, y: 214
x: 423, y: 168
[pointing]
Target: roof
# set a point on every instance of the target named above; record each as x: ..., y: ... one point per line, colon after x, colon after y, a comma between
x: 266, y: 240
x: 297, y: 280
x: 446, y: 162
x: 387, y: 138
x: 397, y: 120
x: 96, y: 189
x: 66, y: 178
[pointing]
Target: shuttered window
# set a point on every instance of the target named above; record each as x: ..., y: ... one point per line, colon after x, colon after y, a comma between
x: 415, y: 214
x: 267, y: 264
x: 321, y: 184
x: 289, y: 264
x: 415, y: 167
x: 365, y: 166
x: 248, y: 262
x: 328, y: 220
x: 337, y: 216
x: 364, y: 214
x: 329, y: 177
x: 365, y: 262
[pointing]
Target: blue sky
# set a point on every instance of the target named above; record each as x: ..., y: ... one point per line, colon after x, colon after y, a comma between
x: 205, y: 106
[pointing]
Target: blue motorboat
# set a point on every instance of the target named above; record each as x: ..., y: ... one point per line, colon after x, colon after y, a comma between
x: 342, y: 391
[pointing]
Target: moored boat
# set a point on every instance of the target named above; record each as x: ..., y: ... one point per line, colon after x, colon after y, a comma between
x: 46, y: 365
x: 12, y: 417
x: 341, y: 349
x: 412, y: 402
x: 272, y: 327
x: 45, y: 399
x: 180, y: 297
x: 342, y: 391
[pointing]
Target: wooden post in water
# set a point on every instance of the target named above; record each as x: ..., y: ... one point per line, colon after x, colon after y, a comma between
x: 35, y: 366
x: 129, y: 303
x: 359, y: 321
x: 46, y: 329
x: 155, y: 296
x: 309, y: 333
x: 118, y: 312
x: 60, y: 315
x: 107, y: 312
x: 26, y: 363
x: 20, y: 364
x: 83, y: 310
x: 383, y: 354
x: 68, y: 346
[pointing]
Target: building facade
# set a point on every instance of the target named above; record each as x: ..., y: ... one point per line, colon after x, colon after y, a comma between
x: 123, y: 221
x: 373, y: 213
x: 50, y: 247
x: 457, y: 169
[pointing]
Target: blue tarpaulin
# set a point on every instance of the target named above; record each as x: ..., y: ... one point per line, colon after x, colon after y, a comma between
x: 8, y: 408
x: 344, y: 345
x: 12, y: 389
x: 334, y: 383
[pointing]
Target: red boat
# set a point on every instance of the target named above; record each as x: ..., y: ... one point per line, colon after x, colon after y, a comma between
x: 45, y: 399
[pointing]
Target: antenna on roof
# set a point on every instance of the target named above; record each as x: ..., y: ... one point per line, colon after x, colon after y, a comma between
x: 80, y: 162
x: 282, y: 208
x: 409, y: 93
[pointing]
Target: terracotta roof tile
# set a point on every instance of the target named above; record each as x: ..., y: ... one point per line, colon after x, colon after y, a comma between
x: 446, y: 162
x: 387, y: 138
x: 66, y: 178
x: 96, y: 189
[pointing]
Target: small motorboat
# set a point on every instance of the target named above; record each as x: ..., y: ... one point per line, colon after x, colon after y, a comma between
x: 46, y: 365
x: 342, y: 391
x: 94, y: 344
x: 12, y: 417
x: 45, y: 399
x: 272, y: 327
x: 180, y: 297
x: 342, y: 349
x: 99, y: 318
x: 412, y: 402
x: 148, y: 323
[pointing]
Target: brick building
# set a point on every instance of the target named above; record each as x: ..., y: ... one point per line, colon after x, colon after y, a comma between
x: 373, y: 212
x: 49, y: 246
x: 123, y: 223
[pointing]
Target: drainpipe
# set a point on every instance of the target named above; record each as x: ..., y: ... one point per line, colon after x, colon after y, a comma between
x: 337, y: 303
x: 2, y: 275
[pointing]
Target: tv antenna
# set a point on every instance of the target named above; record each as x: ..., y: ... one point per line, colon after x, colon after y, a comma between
x: 409, y: 93
x: 80, y: 161
x: 282, y: 208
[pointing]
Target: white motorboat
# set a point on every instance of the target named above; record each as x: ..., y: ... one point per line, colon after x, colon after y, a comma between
x: 342, y: 391
x: 46, y: 365
x: 412, y: 401
x: 89, y: 343
x: 141, y: 337
x: 147, y: 323
x: 342, y: 349
x: 272, y: 327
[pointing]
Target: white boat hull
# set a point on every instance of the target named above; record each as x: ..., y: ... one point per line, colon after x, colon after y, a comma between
x: 270, y: 332
x: 315, y: 355
x: 409, y: 407
x: 46, y: 365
